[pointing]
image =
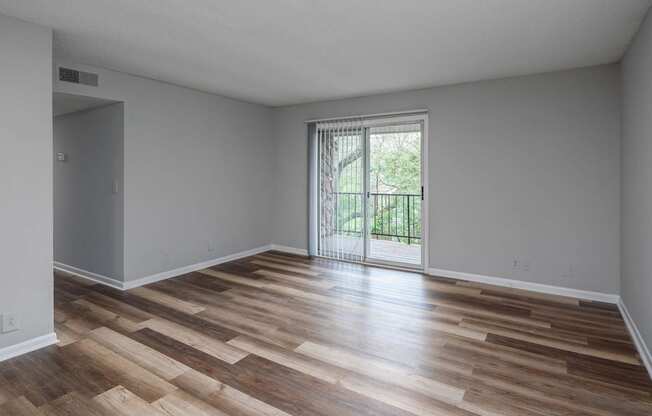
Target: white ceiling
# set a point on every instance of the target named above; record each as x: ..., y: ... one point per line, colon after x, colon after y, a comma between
x: 279, y: 52
x: 70, y: 103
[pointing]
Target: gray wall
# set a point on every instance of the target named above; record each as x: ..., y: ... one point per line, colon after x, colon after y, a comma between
x: 198, y: 172
x: 26, y: 178
x: 637, y: 181
x: 88, y: 215
x: 525, y: 168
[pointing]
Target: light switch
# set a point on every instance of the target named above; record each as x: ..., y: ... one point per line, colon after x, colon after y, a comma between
x: 62, y: 157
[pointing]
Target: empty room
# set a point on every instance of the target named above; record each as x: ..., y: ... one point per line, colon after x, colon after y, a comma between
x: 326, y: 208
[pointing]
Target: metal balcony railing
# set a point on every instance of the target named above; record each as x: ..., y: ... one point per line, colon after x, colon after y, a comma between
x: 395, y: 217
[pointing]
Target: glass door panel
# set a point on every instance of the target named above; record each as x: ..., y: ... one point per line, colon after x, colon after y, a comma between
x: 394, y: 197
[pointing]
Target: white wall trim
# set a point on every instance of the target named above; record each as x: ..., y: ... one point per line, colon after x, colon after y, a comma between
x: 641, y: 346
x: 97, y: 278
x: 28, y: 346
x: 120, y: 285
x: 425, y: 182
x: 192, y: 268
x: 534, y: 287
x: 290, y: 250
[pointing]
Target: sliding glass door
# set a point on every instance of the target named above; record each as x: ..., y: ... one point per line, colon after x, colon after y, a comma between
x: 370, y: 200
x: 341, y: 202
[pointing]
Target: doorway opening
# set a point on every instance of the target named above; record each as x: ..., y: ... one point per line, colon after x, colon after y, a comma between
x: 371, y: 190
x: 88, y: 185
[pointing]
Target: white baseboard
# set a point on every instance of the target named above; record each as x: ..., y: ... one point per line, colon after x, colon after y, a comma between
x: 290, y: 250
x: 28, y: 346
x: 641, y: 346
x: 534, y: 287
x: 97, y: 278
x: 46, y: 340
x: 193, y: 267
x: 120, y: 285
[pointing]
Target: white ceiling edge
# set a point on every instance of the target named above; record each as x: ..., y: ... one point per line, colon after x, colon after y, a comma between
x: 292, y: 52
x: 64, y: 103
x: 431, y: 87
x: 65, y: 61
x: 62, y: 61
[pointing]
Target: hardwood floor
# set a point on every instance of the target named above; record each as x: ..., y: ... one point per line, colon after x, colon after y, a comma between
x: 277, y: 334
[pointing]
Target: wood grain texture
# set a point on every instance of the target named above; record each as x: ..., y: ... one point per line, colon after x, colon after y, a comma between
x: 120, y: 401
x: 280, y: 335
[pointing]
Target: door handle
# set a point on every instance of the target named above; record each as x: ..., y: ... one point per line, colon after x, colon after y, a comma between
x: 422, y: 193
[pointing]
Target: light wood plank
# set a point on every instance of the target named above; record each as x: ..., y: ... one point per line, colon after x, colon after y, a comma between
x: 181, y: 403
x: 289, y: 359
x: 294, y: 269
x: 121, y: 402
x: 148, y: 358
x: 167, y: 300
x: 197, y: 340
x: 558, y: 344
x: 382, y: 370
x: 142, y: 382
x: 222, y: 396
x: 320, y: 284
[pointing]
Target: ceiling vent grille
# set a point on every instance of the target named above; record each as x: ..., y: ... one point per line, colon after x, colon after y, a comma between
x: 78, y: 77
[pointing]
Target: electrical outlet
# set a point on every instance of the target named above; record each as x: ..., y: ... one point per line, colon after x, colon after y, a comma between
x: 519, y: 265
x: 9, y: 323
x: 569, y: 273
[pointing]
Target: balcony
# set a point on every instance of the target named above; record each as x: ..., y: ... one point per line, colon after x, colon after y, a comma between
x: 394, y: 226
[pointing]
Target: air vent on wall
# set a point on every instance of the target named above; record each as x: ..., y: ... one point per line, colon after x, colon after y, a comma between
x: 78, y: 77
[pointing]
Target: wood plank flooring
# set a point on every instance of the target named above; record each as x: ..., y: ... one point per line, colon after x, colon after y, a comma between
x: 277, y: 334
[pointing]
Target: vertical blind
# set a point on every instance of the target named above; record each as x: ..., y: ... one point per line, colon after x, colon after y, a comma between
x: 341, y: 189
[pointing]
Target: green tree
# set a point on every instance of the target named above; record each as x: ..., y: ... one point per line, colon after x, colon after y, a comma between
x: 394, y: 171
